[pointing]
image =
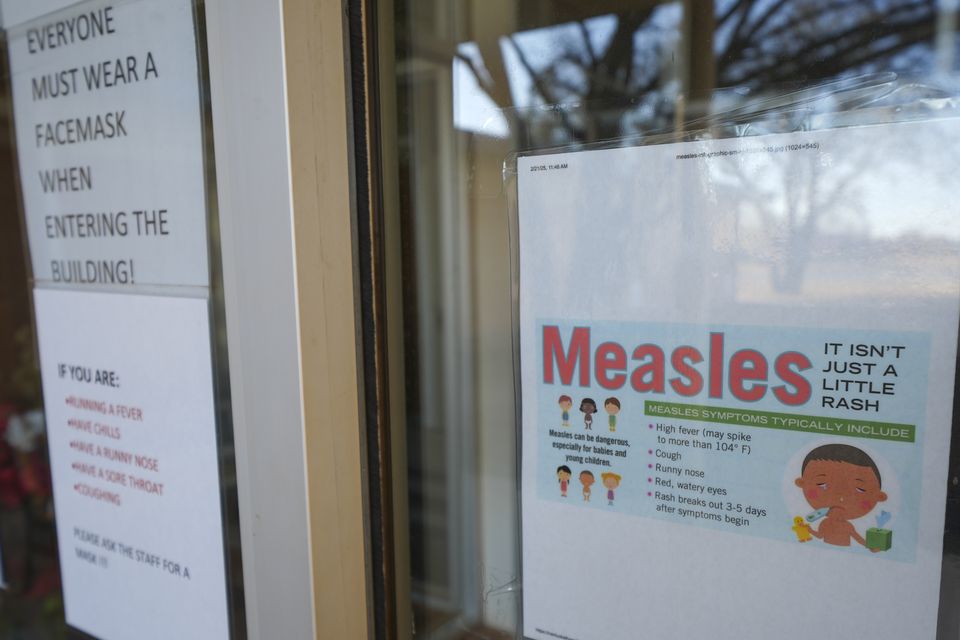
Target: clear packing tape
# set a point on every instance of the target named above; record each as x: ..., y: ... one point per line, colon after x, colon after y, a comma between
x: 875, y: 98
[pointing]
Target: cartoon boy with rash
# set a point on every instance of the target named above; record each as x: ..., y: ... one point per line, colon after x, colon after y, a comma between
x: 844, y: 481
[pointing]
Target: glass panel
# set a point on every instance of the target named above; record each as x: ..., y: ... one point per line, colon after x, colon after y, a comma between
x: 64, y: 64
x: 479, y: 81
x: 31, y: 605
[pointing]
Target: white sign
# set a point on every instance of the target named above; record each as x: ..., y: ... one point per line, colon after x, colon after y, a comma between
x: 107, y: 113
x: 738, y: 372
x: 130, y: 415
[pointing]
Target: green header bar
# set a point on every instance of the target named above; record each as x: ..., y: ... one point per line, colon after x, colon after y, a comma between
x: 784, y: 421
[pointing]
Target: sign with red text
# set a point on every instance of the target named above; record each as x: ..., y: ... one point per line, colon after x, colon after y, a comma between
x: 737, y: 362
x: 108, y: 129
x: 129, y: 403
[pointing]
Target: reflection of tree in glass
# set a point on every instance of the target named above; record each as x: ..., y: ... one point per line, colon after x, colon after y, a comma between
x: 622, y: 71
x: 773, y: 42
x: 643, y: 69
x: 809, y: 206
x: 790, y: 199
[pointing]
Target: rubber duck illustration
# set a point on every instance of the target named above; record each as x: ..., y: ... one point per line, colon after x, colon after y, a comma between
x: 802, y: 529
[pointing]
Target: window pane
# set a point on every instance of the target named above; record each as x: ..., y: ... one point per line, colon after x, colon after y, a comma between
x: 479, y: 81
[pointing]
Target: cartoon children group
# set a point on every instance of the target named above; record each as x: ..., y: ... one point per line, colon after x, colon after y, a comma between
x: 609, y: 479
x: 842, y: 483
x: 588, y: 407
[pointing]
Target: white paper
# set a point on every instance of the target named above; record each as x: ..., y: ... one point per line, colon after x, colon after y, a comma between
x: 107, y: 114
x: 746, y: 302
x: 132, y: 436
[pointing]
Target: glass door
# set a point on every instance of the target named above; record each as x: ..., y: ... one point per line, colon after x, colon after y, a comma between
x: 464, y: 96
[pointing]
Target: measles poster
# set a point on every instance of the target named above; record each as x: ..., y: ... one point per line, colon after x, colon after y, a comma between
x: 737, y: 371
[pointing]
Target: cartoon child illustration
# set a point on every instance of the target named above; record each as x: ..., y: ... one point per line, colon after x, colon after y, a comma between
x: 843, y: 482
x: 612, y: 407
x: 611, y: 481
x: 566, y: 403
x: 802, y: 529
x: 563, y: 476
x: 587, y: 480
x: 588, y: 407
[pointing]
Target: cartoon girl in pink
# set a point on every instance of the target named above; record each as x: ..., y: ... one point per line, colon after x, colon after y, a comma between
x: 563, y: 475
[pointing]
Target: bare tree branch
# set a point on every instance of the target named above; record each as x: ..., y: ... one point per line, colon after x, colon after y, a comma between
x: 587, y: 44
x: 543, y: 89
